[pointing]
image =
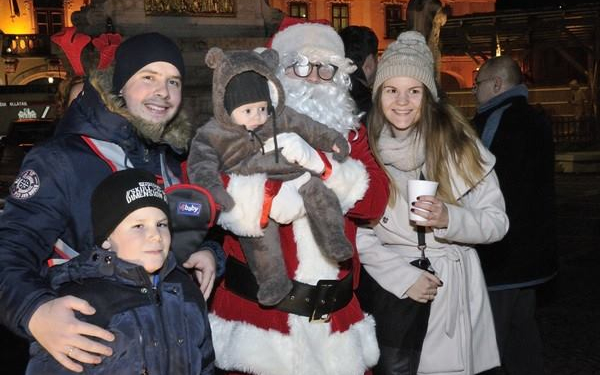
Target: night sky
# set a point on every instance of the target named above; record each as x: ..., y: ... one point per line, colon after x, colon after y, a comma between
x: 523, y: 4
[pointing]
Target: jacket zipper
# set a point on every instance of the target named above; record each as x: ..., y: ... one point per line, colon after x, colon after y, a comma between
x: 141, y: 340
x: 158, y: 306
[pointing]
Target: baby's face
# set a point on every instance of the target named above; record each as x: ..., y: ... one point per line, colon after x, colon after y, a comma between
x: 143, y: 238
x: 251, y: 115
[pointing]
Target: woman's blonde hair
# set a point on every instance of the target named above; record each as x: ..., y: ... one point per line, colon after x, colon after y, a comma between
x: 449, y: 140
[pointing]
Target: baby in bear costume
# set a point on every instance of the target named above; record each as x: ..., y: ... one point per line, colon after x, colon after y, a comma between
x: 246, y: 118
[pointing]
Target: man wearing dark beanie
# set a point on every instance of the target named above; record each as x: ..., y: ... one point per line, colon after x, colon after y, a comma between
x: 126, y: 117
x: 141, y: 50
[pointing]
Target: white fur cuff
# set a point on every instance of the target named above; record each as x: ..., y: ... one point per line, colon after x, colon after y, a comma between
x: 349, y: 181
x: 248, y: 194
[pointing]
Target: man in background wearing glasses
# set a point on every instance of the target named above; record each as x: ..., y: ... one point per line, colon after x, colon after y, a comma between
x: 319, y: 327
x: 521, y: 139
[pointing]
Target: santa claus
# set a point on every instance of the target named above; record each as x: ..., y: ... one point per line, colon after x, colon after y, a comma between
x: 319, y: 328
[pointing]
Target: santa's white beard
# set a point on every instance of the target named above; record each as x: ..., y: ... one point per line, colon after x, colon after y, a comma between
x: 328, y: 103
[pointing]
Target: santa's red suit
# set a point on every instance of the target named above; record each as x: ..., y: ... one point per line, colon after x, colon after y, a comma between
x: 253, y: 339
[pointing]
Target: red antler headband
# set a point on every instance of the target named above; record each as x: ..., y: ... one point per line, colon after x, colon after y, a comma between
x: 106, y: 44
x: 72, y: 44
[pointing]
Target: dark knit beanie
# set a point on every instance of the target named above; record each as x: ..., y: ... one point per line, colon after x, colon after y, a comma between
x: 120, y: 194
x: 244, y: 88
x: 143, y: 49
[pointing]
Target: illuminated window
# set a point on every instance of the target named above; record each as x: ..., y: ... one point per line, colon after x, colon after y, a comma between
x: 339, y: 16
x: 298, y: 10
x: 49, y: 21
x: 393, y: 18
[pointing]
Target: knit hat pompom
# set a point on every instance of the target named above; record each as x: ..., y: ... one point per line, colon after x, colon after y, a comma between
x: 408, y: 56
x: 143, y: 49
x: 120, y: 194
x: 244, y: 88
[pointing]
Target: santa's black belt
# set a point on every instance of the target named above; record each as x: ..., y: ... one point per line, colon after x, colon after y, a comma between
x: 313, y: 301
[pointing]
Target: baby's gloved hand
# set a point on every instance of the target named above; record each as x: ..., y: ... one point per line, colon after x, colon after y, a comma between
x: 296, y: 150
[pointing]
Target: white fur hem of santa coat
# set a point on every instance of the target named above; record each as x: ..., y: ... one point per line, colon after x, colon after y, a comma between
x: 309, y: 349
x: 349, y: 181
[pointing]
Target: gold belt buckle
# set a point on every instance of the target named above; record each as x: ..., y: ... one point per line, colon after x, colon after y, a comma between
x: 325, y: 318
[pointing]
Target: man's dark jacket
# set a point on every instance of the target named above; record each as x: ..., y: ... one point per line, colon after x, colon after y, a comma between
x: 524, y: 150
x: 51, y: 197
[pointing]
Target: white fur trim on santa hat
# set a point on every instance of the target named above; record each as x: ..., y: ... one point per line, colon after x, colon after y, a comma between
x: 248, y: 195
x: 317, y: 42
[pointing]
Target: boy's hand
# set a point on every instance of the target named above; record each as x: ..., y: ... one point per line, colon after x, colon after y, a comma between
x: 55, y: 327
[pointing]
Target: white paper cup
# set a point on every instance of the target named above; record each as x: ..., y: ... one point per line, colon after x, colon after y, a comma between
x: 417, y: 188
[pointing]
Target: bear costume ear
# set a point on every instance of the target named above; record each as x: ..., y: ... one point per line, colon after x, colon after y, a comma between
x: 214, y: 56
x: 271, y: 57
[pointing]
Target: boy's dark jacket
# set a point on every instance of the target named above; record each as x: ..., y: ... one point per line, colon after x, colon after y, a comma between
x: 66, y: 172
x: 160, y: 329
x: 524, y: 152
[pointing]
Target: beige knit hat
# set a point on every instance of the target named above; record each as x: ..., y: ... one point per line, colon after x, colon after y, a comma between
x: 408, y: 56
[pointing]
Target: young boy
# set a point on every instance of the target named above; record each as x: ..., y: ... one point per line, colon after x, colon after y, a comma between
x: 151, y: 305
x: 246, y: 119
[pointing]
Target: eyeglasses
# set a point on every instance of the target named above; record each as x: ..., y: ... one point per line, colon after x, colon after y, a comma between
x: 477, y: 83
x: 325, y: 71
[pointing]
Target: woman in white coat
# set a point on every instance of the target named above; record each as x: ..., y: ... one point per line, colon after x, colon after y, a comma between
x: 412, y: 132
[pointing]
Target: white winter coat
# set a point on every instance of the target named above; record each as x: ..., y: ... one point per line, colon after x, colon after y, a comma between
x: 460, y: 337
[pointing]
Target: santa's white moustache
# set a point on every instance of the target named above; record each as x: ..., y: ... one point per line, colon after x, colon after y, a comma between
x: 328, y: 103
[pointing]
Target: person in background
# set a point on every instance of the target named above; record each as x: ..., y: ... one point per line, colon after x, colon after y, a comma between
x: 428, y: 17
x: 578, y: 100
x: 520, y: 137
x: 319, y: 328
x: 361, y: 45
x: 68, y: 90
x: 124, y: 118
x: 413, y: 132
x: 131, y: 253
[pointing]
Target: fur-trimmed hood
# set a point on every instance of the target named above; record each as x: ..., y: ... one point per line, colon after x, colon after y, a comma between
x: 227, y: 65
x: 104, y: 111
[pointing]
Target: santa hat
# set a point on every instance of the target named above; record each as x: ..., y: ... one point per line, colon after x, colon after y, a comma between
x: 315, y: 40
